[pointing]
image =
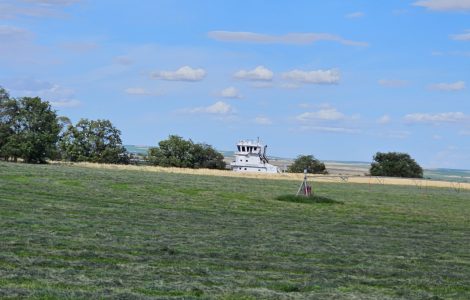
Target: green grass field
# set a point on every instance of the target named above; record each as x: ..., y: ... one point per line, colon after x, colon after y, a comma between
x: 71, y: 232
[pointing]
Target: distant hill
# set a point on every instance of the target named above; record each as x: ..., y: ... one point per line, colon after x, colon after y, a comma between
x: 136, y: 149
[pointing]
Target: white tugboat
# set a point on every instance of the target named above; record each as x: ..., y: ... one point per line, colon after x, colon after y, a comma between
x: 251, y: 157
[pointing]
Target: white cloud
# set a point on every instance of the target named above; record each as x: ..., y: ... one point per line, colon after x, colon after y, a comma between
x: 65, y: 103
x: 58, y: 96
x: 27, y: 84
x: 444, y: 5
x: 316, y: 76
x: 393, y: 83
x: 290, y: 38
x: 327, y: 114
x: 263, y: 120
x: 185, y: 73
x: 355, y: 15
x: 385, y: 119
x: 462, y: 36
x: 10, y: 9
x: 139, y: 91
x: 218, y: 108
x: 13, y: 34
x: 330, y: 129
x: 18, y: 47
x: 315, y: 105
x: 230, y: 92
x: 451, y: 53
x: 453, y: 86
x: 258, y: 73
x: 447, y: 117
x: 52, y: 2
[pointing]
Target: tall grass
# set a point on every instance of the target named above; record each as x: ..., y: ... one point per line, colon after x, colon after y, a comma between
x: 75, y: 232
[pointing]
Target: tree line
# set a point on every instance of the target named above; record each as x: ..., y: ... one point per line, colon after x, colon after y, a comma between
x: 32, y: 131
x: 391, y: 164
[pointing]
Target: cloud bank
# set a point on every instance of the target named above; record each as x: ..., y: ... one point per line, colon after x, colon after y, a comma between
x: 462, y: 36
x: 230, y: 92
x: 185, y: 73
x: 316, y: 76
x: 290, y: 38
x: 259, y: 73
x: 444, y: 5
x: 218, y: 108
x: 453, y: 86
x: 447, y: 117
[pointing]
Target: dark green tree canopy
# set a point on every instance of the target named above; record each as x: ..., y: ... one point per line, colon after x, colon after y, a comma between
x: 29, y: 129
x: 395, y: 164
x: 93, y: 141
x: 204, y: 156
x: 178, y: 152
x: 309, y: 163
x: 8, y: 111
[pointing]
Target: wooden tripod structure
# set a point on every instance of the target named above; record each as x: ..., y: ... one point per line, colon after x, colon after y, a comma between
x: 305, y: 189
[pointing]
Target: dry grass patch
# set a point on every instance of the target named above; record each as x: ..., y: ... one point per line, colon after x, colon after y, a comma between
x: 421, y: 183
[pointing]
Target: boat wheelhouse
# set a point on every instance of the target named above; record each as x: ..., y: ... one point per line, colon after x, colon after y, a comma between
x: 251, y: 157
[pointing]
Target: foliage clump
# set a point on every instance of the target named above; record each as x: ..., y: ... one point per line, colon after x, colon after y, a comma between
x: 93, y: 141
x: 309, y: 163
x: 178, y: 152
x: 29, y: 129
x: 395, y: 164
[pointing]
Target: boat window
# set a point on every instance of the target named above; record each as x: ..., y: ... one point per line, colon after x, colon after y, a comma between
x: 245, y: 169
x: 243, y: 149
x: 247, y: 160
x: 238, y: 148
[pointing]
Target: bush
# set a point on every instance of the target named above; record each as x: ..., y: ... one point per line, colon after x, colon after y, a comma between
x: 309, y: 163
x: 395, y: 164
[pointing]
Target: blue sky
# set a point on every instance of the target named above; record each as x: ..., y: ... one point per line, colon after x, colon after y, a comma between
x: 337, y: 79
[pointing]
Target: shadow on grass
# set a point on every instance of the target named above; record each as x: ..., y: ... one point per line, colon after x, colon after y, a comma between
x: 308, y: 200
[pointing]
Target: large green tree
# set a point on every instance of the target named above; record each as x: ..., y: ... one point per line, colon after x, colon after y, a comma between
x: 178, y: 152
x: 395, y: 164
x: 8, y: 110
x: 93, y: 141
x: 309, y: 163
x: 205, y: 156
x: 29, y: 129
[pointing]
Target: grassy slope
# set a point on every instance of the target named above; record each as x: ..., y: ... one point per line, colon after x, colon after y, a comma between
x: 76, y: 232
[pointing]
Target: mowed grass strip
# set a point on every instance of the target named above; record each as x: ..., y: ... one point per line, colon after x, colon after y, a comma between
x: 72, y: 232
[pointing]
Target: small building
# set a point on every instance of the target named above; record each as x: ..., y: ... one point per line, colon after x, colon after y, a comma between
x: 251, y: 157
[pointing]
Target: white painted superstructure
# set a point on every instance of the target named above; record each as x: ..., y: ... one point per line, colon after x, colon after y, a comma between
x: 251, y: 157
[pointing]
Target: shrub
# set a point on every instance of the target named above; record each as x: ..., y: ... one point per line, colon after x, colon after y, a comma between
x: 309, y: 163
x: 395, y: 164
